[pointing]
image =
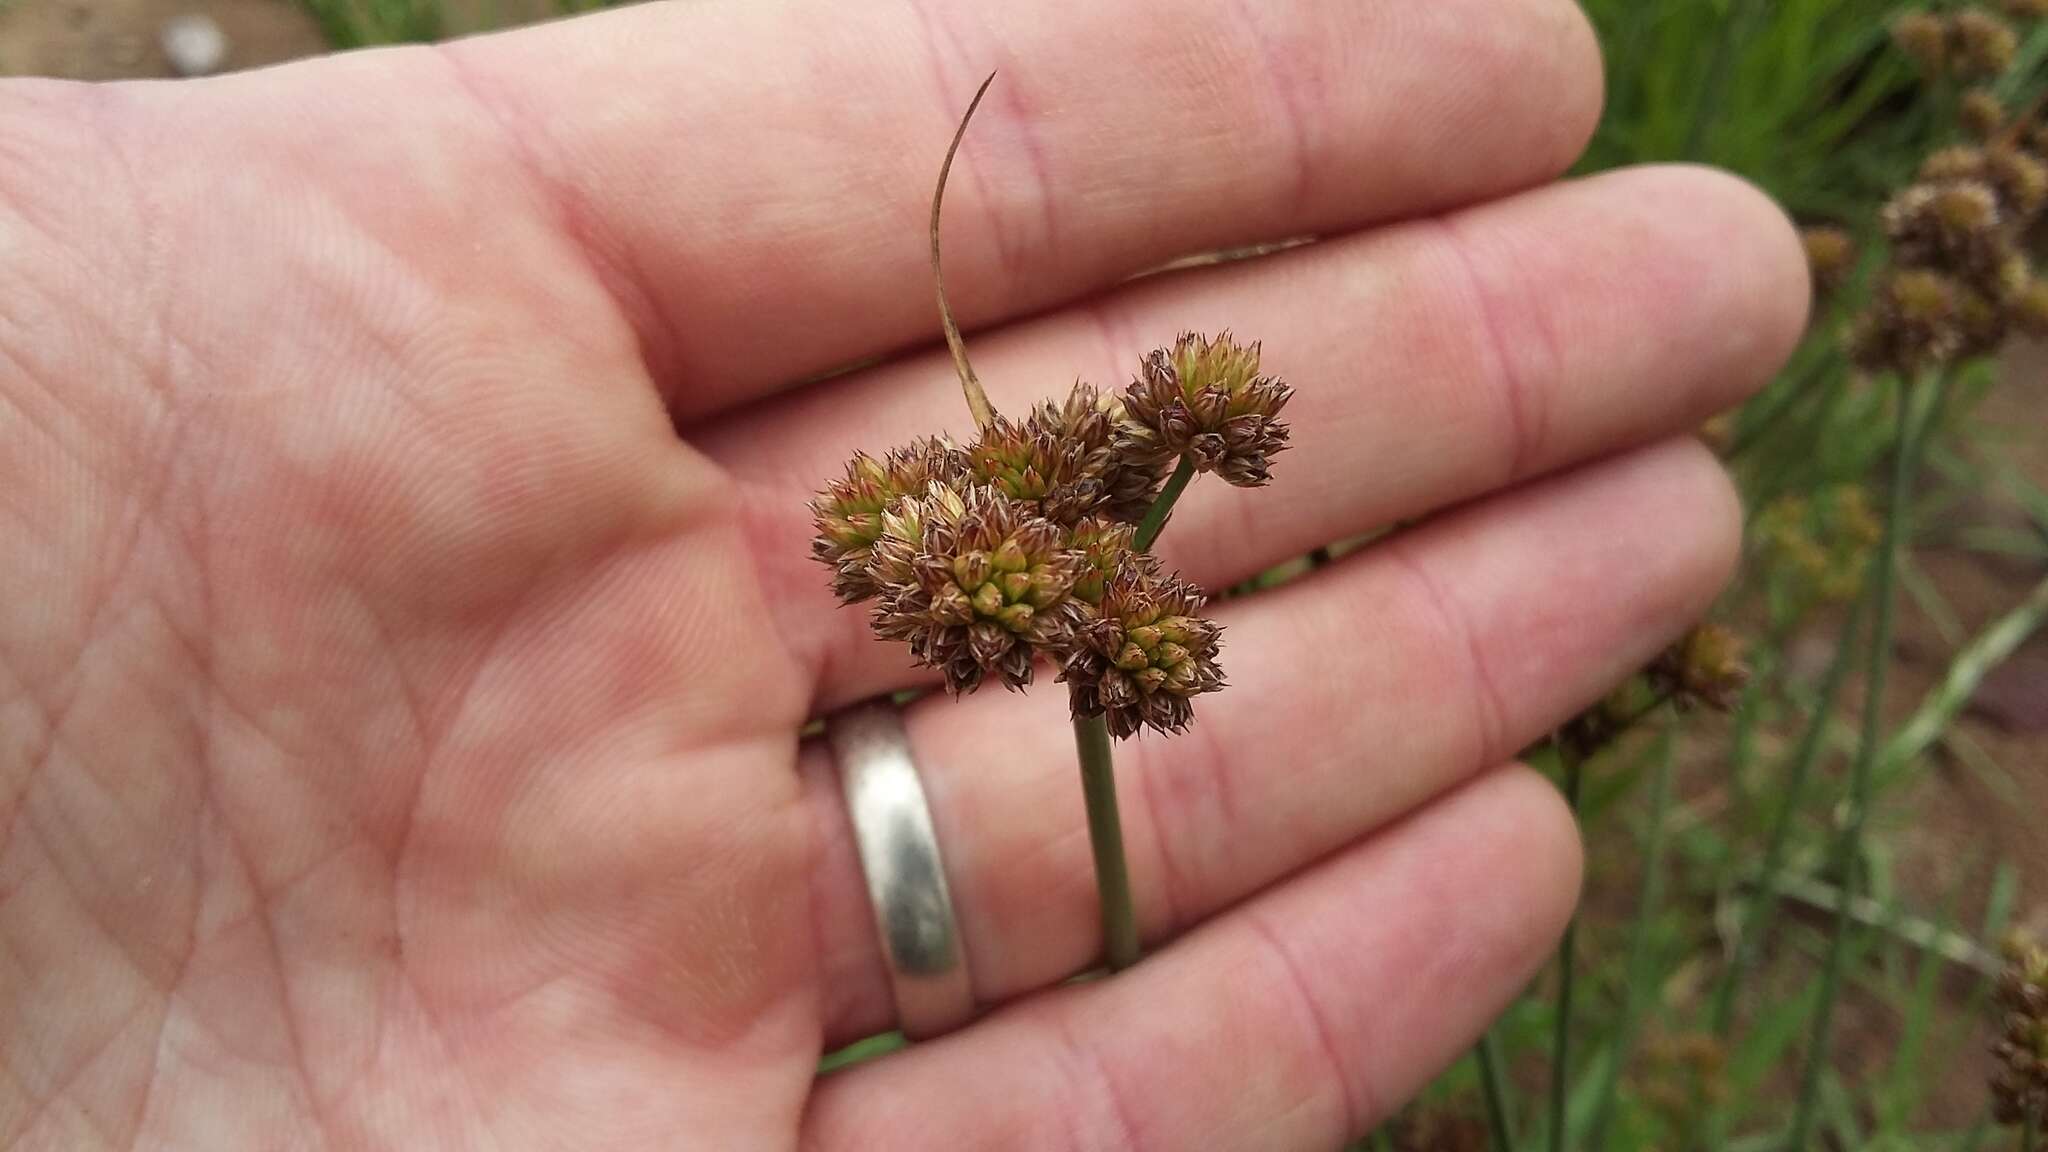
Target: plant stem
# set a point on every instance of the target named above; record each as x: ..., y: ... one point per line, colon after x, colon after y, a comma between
x: 1561, y: 1035
x: 1640, y: 952
x: 1755, y: 922
x: 1155, y: 516
x: 1849, y: 843
x: 1493, y: 1084
x: 2029, y: 1133
x: 1098, y: 775
x: 1106, y: 838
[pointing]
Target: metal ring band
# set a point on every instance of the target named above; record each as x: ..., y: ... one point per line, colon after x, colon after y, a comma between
x: 906, y: 876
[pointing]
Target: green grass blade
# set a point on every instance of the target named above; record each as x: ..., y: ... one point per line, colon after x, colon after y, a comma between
x: 1641, y: 954
x: 1965, y: 673
x: 1849, y: 842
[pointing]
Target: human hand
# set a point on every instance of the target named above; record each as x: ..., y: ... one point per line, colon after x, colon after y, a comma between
x: 408, y: 623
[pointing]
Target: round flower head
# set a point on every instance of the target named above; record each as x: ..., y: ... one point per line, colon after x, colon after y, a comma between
x: 1704, y: 667
x: 1923, y: 38
x: 1914, y: 322
x: 1955, y: 226
x: 2019, y: 1087
x: 1962, y: 162
x: 1983, y: 44
x: 1204, y: 399
x: 848, y: 513
x: 1143, y: 653
x: 974, y: 582
x: 1830, y: 254
x: 1981, y: 113
x: 1105, y: 546
x: 2020, y: 179
x: 1063, y: 458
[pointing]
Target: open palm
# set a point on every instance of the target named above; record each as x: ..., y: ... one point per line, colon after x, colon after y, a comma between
x: 407, y: 626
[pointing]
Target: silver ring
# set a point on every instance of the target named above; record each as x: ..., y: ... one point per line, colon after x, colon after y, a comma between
x: 899, y: 854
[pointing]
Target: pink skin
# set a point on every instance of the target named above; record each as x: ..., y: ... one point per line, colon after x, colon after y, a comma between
x: 399, y: 718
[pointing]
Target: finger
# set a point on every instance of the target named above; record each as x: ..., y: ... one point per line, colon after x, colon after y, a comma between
x: 754, y: 178
x: 1355, y: 695
x: 1298, y: 1021
x: 1432, y: 363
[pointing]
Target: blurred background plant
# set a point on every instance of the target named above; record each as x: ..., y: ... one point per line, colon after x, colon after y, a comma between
x: 1722, y: 892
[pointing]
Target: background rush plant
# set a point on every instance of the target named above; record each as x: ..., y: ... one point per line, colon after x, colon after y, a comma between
x: 1033, y: 543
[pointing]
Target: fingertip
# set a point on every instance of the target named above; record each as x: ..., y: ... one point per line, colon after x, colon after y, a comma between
x: 1745, y: 257
x: 1541, y: 854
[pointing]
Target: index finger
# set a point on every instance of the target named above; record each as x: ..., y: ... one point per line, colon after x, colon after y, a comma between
x: 752, y: 178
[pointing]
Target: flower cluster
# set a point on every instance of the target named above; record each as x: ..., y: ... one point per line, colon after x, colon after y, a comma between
x: 1819, y: 544
x: 2019, y: 1088
x: 1204, y: 401
x: 983, y: 557
x: 1705, y: 667
x: 1970, y: 44
x: 1958, y: 281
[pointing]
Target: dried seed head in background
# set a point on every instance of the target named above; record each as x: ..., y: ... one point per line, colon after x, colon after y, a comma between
x: 1913, y: 322
x: 1204, y: 399
x: 1706, y: 666
x: 1981, y: 113
x: 2026, y: 9
x: 2019, y: 1087
x: 1065, y: 459
x: 1922, y: 37
x: 1830, y: 255
x: 975, y: 583
x: 848, y: 513
x: 1143, y: 653
x: 1982, y: 45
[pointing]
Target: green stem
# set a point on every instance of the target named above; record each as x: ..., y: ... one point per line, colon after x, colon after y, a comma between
x: 2030, y: 1132
x: 1098, y: 777
x: 1155, y: 517
x: 1755, y: 922
x: 1640, y: 952
x: 1493, y: 1084
x: 1106, y: 838
x: 1849, y: 843
x: 1561, y: 1035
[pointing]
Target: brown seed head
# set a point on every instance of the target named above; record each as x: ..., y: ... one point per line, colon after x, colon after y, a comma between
x: 1982, y: 43
x: 2020, y: 179
x: 2019, y: 1087
x: 1954, y: 226
x: 1981, y: 113
x: 1204, y: 399
x: 1958, y: 163
x: 2026, y: 9
x: 1143, y: 653
x: 1830, y: 253
x: 1706, y: 666
x: 975, y: 583
x: 2030, y: 310
x: 848, y: 513
x: 1105, y: 546
x: 1923, y: 38
x: 1064, y: 459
